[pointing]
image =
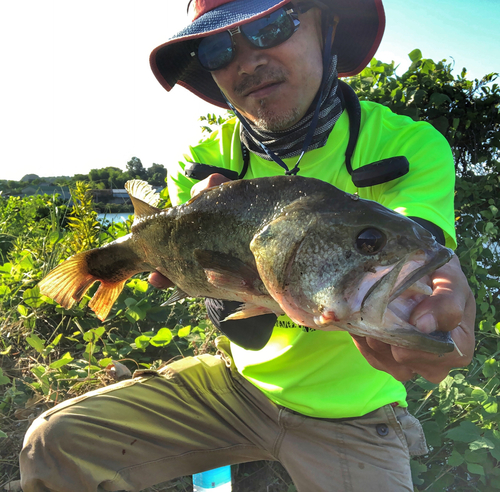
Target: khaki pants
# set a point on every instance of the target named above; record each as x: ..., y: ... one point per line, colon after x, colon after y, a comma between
x: 197, y: 414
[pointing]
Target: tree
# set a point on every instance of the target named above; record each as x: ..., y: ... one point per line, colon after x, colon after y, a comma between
x: 108, y: 178
x: 157, y: 174
x: 136, y: 169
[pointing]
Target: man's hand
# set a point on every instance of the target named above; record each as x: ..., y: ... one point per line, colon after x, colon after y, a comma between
x: 213, y: 180
x: 451, y: 307
x: 156, y: 279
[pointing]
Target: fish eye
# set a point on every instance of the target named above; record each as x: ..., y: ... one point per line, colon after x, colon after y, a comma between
x: 370, y: 241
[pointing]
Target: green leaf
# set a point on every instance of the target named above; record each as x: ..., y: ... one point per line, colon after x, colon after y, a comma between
x: 491, y: 406
x: 416, y: 469
x: 3, y: 434
x: 432, y: 434
x: 130, y: 301
x: 490, y: 368
x: 184, y: 332
x: 475, y: 468
x: 142, y: 342
x: 3, y: 379
x: 22, y: 310
x: 52, y: 345
x: 415, y: 55
x: 428, y: 66
x: 54, y: 237
x: 105, y: 362
x: 94, y: 334
x: 136, y: 313
x: 494, y: 436
x: 5, y: 290
x: 162, y: 338
x: 64, y: 360
x: 465, y: 432
x: 481, y: 443
x: 36, y: 342
x: 26, y: 263
x: 438, y: 98
x: 139, y: 286
x: 32, y: 297
x: 6, y: 268
x: 455, y: 459
x: 38, y: 371
x: 479, y: 395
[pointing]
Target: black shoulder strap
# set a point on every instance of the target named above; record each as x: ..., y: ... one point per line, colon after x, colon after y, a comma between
x: 196, y: 170
x: 377, y: 172
x: 351, y: 104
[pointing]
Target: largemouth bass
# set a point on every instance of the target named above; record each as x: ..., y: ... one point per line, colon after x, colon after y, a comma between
x: 284, y: 244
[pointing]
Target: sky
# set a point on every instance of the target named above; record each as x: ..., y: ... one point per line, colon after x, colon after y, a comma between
x: 77, y: 93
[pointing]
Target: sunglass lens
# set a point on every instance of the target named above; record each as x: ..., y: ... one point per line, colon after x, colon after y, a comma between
x: 269, y: 31
x: 216, y: 51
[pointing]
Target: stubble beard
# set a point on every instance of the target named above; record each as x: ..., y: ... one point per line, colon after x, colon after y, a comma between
x: 271, y: 120
x: 267, y: 118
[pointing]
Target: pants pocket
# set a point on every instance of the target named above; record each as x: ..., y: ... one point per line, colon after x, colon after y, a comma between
x: 413, y: 432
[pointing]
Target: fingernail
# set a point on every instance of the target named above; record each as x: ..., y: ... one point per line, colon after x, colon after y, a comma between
x: 426, y: 323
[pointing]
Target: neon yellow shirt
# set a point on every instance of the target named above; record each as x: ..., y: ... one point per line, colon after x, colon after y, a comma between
x: 318, y: 373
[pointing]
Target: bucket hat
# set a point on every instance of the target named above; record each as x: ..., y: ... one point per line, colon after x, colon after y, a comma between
x: 357, y: 38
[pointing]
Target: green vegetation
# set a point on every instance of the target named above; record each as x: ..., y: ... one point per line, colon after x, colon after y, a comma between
x: 99, y: 179
x: 49, y: 353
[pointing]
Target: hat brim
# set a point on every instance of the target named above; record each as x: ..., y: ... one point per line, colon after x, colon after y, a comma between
x: 358, y: 36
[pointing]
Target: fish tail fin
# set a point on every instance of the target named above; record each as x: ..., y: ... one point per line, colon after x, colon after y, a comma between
x: 105, y: 297
x: 68, y: 282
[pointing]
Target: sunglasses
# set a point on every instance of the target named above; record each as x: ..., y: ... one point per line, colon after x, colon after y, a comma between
x: 218, y: 50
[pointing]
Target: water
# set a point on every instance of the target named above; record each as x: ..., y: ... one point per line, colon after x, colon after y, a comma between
x: 218, y: 479
x: 113, y: 217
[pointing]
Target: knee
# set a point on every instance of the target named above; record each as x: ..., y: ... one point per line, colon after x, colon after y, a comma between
x: 43, y: 448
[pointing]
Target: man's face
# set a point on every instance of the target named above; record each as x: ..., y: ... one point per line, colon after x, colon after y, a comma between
x: 273, y: 88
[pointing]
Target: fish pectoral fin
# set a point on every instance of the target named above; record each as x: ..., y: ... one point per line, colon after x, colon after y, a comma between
x: 144, y: 198
x: 176, y: 296
x: 227, y: 272
x: 247, y: 310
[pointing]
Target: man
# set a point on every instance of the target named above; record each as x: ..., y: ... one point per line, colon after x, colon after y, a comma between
x: 329, y: 406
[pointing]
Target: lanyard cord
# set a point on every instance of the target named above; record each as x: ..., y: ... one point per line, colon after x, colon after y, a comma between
x: 307, y: 141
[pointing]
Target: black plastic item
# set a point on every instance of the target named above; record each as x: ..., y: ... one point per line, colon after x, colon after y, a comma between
x: 250, y: 333
x: 380, y: 172
x: 435, y: 230
x: 195, y: 170
x: 198, y: 171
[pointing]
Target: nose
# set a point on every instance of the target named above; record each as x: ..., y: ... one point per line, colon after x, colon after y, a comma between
x: 248, y: 58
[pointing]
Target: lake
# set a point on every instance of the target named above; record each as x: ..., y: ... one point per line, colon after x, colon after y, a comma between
x: 113, y: 217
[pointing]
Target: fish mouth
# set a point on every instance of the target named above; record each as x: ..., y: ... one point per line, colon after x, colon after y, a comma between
x: 390, y: 299
x: 387, y: 283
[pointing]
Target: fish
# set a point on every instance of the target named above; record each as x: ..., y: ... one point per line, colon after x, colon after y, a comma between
x: 292, y: 245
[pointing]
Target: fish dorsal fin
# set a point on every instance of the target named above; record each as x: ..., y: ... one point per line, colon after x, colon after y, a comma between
x: 144, y: 198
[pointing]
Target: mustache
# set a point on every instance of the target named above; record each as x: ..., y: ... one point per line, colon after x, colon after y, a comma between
x: 272, y: 76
